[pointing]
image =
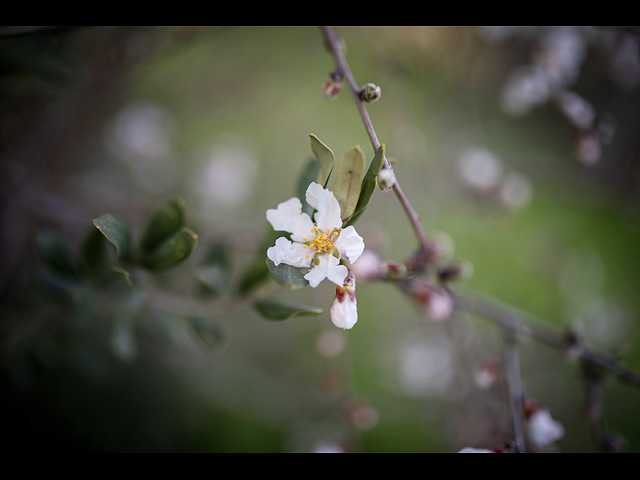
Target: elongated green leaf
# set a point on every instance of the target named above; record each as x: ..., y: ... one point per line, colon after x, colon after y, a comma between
x: 215, y: 271
x: 286, y: 275
x: 213, y: 278
x: 258, y: 272
x: 117, y: 233
x: 172, y: 252
x: 164, y: 222
x: 325, y: 157
x: 93, y: 252
x: 348, y: 180
x: 368, y: 183
x: 274, y: 310
x: 309, y: 174
x: 211, y: 335
x: 55, y: 253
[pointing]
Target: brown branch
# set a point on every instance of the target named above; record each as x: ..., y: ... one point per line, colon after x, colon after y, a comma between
x: 540, y: 330
x: 414, y: 218
x: 512, y: 368
x: 490, y: 309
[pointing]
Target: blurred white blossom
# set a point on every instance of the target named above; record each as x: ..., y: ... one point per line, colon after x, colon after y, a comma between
x: 525, y: 88
x: 141, y: 135
x: 516, y: 191
x: 229, y: 173
x: 480, y: 169
x: 578, y: 111
x: 475, y: 450
x: 330, y: 344
x: 541, y: 429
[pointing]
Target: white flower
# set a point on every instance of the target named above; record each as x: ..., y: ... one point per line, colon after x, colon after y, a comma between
x: 475, y: 450
x: 320, y: 245
x: 344, y: 311
x: 542, y: 430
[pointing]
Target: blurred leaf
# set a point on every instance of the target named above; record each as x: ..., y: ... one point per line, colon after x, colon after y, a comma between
x: 211, y: 334
x: 93, y: 252
x: 172, y: 252
x: 60, y: 287
x: 274, y: 310
x: 368, y: 183
x: 55, y: 253
x: 286, y: 275
x: 325, y: 157
x: 258, y: 272
x: 310, y: 174
x: 117, y: 233
x: 219, y: 254
x: 215, y: 271
x: 348, y: 177
x: 213, y: 277
x: 164, y: 223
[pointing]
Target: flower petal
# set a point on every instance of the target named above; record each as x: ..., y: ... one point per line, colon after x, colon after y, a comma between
x: 328, y: 208
x: 328, y: 267
x: 293, y: 254
x: 288, y: 217
x: 350, y: 244
x: 344, y: 310
x: 344, y: 314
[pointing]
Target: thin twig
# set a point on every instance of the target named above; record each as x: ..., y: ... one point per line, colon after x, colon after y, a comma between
x: 414, y: 218
x: 512, y: 368
x: 490, y: 309
x: 540, y: 330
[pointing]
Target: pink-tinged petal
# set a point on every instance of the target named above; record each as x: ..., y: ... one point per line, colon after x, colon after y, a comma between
x: 344, y: 310
x: 328, y: 209
x: 288, y: 217
x: 328, y: 267
x: 350, y: 244
x: 293, y: 254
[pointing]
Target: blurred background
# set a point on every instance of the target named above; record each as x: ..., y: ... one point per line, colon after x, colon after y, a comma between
x: 518, y: 147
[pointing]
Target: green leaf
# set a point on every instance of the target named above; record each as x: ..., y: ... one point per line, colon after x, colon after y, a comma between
x: 258, y: 271
x: 325, y: 157
x: 214, y: 273
x: 165, y: 221
x: 93, y: 252
x: 210, y: 334
x: 117, y: 233
x: 286, y: 275
x: 348, y: 177
x: 172, y: 252
x: 368, y: 183
x: 274, y: 310
x: 56, y: 253
x: 212, y: 277
x: 309, y: 174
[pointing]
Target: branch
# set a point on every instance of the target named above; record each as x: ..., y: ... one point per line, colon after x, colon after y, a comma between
x: 543, y: 332
x: 414, y: 218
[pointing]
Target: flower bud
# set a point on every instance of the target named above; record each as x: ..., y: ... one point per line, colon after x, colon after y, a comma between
x: 394, y: 270
x: 370, y: 93
x: 541, y: 429
x: 487, y: 374
x: 435, y: 302
x: 457, y: 271
x: 344, y: 310
x: 386, y: 179
x: 332, y: 85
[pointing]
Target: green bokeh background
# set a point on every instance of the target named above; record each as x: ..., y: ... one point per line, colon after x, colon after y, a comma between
x: 256, y: 90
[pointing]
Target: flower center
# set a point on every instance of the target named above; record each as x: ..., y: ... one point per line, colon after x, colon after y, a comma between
x: 323, y: 241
